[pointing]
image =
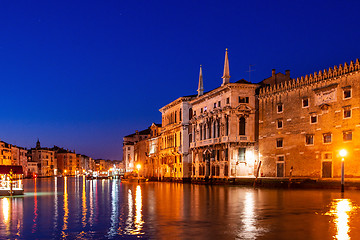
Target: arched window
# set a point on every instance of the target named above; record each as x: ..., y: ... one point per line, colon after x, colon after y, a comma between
x: 209, y: 129
x: 242, y: 126
x: 227, y: 125
x: 204, y: 131
x: 214, y: 129
x: 218, y: 128
x: 201, y: 132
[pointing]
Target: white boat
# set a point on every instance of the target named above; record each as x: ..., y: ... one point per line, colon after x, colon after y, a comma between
x: 11, y: 180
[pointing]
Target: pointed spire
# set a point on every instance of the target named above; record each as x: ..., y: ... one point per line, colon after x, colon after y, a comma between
x: 201, y: 84
x: 38, y: 144
x: 226, y: 76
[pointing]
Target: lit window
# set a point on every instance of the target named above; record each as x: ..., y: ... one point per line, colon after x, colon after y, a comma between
x: 279, y: 108
x: 347, y: 113
x: 279, y: 143
x: 305, y: 102
x: 347, y: 136
x: 205, y: 109
x: 309, y: 139
x: 279, y: 123
x: 327, y: 137
x: 313, y: 119
x: 347, y: 93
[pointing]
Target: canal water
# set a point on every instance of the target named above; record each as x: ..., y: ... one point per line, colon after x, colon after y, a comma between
x: 75, y: 208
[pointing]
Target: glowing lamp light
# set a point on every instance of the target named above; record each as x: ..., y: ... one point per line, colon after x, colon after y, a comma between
x: 343, y: 153
x: 138, y: 167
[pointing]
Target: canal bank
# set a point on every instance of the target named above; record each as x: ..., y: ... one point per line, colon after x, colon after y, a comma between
x: 267, y: 182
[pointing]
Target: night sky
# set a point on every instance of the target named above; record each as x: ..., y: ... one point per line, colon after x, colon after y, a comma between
x: 83, y: 74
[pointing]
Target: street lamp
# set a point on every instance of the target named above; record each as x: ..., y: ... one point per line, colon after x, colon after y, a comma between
x: 138, y: 168
x: 342, y: 153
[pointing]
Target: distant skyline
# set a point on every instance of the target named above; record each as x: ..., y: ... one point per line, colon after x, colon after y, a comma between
x: 83, y: 74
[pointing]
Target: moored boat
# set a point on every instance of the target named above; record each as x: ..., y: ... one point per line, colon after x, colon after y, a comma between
x: 11, y: 177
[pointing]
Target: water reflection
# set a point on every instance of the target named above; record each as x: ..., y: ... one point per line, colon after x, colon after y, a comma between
x: 128, y: 226
x: 138, y: 208
x: 114, y: 209
x: 84, y: 208
x: 341, y: 210
x: 134, y: 224
x: 35, y: 207
x: 248, y: 217
x: 6, y: 210
x: 66, y: 209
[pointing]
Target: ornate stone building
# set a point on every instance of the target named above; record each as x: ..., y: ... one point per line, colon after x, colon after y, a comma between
x: 304, y: 122
x: 174, y: 153
x: 152, y: 163
x: 223, y: 130
x: 129, y: 142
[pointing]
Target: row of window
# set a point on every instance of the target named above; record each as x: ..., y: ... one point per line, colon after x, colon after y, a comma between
x: 309, y: 139
x: 218, y: 104
x: 314, y: 118
x: 215, y: 170
x: 173, y: 117
x: 306, y: 101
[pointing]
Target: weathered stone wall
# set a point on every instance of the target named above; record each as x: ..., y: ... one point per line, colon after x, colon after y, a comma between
x: 325, y: 94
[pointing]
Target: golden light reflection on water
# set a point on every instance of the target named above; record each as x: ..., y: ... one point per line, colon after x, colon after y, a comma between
x: 138, y: 209
x: 341, y: 209
x: 134, y: 224
x: 5, y: 205
x: 84, y: 208
x: 66, y: 209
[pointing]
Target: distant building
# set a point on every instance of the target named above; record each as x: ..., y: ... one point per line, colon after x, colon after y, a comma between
x: 129, y: 142
x: 46, y: 160
x: 5, y: 153
x: 68, y: 162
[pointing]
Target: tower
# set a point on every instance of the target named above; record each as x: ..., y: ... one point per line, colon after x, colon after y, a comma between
x: 226, y: 75
x: 201, y: 84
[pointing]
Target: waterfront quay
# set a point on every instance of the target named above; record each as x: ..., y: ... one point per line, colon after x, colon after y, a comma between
x: 76, y: 208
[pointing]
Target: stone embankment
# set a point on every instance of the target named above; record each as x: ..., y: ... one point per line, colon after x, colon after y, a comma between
x: 294, y: 183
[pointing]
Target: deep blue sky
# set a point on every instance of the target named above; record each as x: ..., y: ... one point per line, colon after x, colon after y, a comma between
x: 82, y: 74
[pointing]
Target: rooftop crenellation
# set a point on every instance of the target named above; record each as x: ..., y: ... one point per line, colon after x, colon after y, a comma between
x: 336, y: 71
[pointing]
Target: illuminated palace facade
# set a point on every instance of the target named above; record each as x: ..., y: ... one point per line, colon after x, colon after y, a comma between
x: 222, y: 135
x: 304, y: 122
x: 175, y: 159
x: 280, y: 127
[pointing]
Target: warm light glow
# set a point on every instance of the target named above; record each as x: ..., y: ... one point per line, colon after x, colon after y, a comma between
x: 138, y: 209
x: 341, y: 209
x: 343, y: 153
x: 138, y: 167
x: 6, y: 209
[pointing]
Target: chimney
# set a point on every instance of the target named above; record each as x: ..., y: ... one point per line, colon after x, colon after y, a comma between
x: 287, y: 73
x: 273, y: 72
